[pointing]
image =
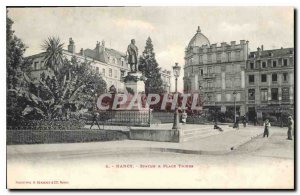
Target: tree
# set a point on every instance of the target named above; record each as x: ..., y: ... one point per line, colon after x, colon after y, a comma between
x: 16, y: 65
x: 149, y: 67
x: 53, y: 53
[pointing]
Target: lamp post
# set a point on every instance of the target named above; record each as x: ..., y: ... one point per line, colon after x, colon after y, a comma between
x: 281, y: 122
x: 176, y: 71
x: 234, y: 96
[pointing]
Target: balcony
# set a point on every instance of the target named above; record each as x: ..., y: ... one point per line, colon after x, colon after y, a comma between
x: 209, y: 76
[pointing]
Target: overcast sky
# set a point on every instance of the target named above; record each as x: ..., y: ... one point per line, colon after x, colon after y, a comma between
x: 170, y: 28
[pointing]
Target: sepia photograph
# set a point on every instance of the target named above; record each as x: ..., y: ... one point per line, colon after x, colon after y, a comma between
x: 141, y: 97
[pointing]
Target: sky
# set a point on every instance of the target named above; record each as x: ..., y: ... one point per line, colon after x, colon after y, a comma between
x: 170, y: 28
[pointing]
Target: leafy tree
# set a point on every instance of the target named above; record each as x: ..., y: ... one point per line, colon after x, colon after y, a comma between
x: 149, y: 67
x: 74, y: 87
x: 53, y: 53
x: 16, y: 65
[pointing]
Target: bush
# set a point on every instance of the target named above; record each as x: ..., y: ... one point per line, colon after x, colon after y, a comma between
x: 48, y: 125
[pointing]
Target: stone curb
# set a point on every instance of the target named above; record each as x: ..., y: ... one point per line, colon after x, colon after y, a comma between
x: 147, y: 149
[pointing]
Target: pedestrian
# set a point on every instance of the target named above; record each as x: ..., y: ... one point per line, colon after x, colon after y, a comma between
x: 237, y: 123
x: 255, y: 120
x: 244, y: 121
x: 184, y: 117
x: 290, y: 128
x: 267, y: 125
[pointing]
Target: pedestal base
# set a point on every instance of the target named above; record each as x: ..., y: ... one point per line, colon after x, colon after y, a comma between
x: 135, y: 81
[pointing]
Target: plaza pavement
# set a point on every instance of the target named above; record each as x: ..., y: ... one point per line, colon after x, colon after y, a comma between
x: 220, y: 143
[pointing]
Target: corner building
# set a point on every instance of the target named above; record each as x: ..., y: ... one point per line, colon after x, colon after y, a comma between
x: 216, y: 72
x: 270, y: 82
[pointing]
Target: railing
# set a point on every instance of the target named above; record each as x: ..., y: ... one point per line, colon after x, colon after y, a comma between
x: 124, y: 117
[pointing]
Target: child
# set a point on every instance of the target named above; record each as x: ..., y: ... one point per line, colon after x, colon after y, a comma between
x: 267, y: 125
x: 183, y: 117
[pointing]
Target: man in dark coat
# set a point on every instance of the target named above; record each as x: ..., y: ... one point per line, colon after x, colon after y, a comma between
x: 290, y: 128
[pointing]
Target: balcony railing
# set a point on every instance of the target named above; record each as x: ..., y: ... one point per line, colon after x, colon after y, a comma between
x: 209, y: 75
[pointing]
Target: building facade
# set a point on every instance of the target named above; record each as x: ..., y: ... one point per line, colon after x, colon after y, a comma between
x: 216, y: 72
x: 270, y: 82
x: 109, y: 63
x: 166, y: 79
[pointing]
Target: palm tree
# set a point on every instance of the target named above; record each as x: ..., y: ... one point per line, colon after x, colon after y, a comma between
x: 53, y: 53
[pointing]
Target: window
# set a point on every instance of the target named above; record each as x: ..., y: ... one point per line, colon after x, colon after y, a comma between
x: 218, y: 57
x: 251, y: 65
x: 263, y: 78
x: 285, y: 94
x: 285, y: 62
x: 110, y: 72
x: 122, y: 73
x: 264, y: 94
x: 200, y: 60
x: 35, y: 65
x: 251, y: 94
x: 116, y: 74
x: 209, y: 84
x: 103, y: 71
x: 229, y: 56
x: 264, y: 65
x: 209, y: 70
x: 201, y: 72
x: 291, y: 61
x: 274, y: 64
x: 237, y: 55
x: 97, y: 70
x: 285, y: 76
x: 251, y: 79
x: 274, y: 77
x: 274, y: 93
x: 209, y: 58
x: 122, y: 63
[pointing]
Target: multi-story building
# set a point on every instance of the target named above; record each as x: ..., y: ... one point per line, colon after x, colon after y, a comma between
x: 111, y: 64
x: 270, y: 82
x: 166, y: 78
x: 216, y: 72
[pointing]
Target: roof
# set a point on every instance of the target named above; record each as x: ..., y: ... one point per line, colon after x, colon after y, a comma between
x: 199, y: 39
x: 274, y: 52
x: 103, y: 54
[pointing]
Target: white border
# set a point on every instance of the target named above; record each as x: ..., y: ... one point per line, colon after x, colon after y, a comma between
x: 294, y: 3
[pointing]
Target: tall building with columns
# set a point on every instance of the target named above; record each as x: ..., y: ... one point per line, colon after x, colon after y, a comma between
x: 270, y: 82
x: 216, y: 72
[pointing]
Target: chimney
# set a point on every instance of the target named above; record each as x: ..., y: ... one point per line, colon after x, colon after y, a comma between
x: 262, y: 47
x: 232, y: 43
x: 81, y: 52
x: 97, y: 50
x: 71, y: 46
x: 223, y: 44
x: 242, y: 42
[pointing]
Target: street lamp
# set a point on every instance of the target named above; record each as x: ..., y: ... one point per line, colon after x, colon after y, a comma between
x: 176, y: 71
x: 234, y: 96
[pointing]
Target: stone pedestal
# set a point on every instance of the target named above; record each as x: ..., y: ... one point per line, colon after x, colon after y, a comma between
x: 135, y: 81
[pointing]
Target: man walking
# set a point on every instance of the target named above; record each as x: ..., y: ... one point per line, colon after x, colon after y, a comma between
x: 290, y: 128
x: 267, y: 125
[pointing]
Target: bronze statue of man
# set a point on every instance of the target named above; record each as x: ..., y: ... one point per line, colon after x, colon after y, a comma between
x: 132, y: 51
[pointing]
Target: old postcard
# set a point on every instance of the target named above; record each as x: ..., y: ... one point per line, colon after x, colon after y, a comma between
x: 150, y: 97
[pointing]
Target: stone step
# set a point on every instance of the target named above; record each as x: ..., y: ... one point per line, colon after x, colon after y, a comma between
x: 191, y: 134
x: 199, y: 136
